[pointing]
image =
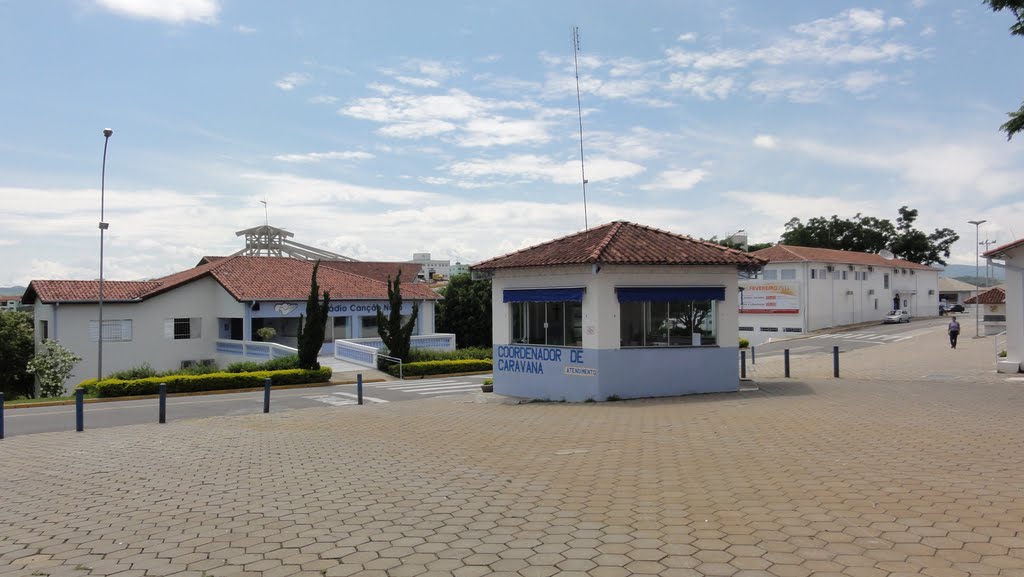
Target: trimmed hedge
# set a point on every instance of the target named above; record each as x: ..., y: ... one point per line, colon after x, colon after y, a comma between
x: 442, y: 367
x: 209, y: 382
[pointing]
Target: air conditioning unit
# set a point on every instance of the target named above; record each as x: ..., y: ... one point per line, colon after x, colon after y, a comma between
x: 851, y: 267
x: 871, y: 268
x: 189, y: 364
x: 830, y: 268
x: 849, y: 293
x: 931, y: 291
x: 871, y: 291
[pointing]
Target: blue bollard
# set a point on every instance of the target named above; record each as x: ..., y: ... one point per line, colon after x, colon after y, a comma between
x: 79, y: 410
x: 266, y: 395
x: 359, y: 388
x: 753, y: 356
x: 1, y: 415
x: 163, y: 403
x: 786, y: 358
x: 835, y: 361
x: 743, y: 364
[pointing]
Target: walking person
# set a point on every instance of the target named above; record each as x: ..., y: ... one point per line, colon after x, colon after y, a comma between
x: 954, y: 332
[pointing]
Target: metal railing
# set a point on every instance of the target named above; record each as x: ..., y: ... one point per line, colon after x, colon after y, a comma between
x: 392, y: 360
x: 254, y: 350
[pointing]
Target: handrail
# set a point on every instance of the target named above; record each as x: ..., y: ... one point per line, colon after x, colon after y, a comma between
x: 393, y: 360
x: 995, y: 342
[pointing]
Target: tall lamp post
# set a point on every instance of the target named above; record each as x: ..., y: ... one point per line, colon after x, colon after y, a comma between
x: 103, y: 227
x: 977, y: 320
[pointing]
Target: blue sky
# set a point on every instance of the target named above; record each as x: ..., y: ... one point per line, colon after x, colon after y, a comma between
x: 379, y: 129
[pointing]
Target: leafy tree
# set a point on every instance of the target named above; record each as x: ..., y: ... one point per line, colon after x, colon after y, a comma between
x: 1016, y: 7
x: 466, y: 311
x: 732, y: 244
x: 396, y: 336
x: 265, y: 333
x: 870, y: 234
x: 52, y: 367
x: 314, y: 325
x: 15, y: 351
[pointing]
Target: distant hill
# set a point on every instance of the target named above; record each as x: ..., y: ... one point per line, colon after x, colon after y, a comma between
x: 967, y: 270
x: 12, y: 290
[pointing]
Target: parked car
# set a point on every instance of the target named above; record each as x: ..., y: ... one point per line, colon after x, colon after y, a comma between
x: 955, y: 308
x: 897, y: 317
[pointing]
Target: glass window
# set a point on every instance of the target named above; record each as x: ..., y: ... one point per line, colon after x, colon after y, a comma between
x: 337, y: 329
x: 368, y: 327
x: 44, y: 329
x: 789, y: 274
x: 114, y: 330
x: 885, y: 281
x: 667, y: 324
x: 844, y: 275
x: 814, y: 273
x: 555, y: 323
x: 771, y: 274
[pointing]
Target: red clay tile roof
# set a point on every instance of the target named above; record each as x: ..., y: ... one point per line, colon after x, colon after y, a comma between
x: 999, y: 250
x: 246, y: 278
x: 789, y: 253
x: 376, y: 270
x: 622, y: 242
x: 993, y: 296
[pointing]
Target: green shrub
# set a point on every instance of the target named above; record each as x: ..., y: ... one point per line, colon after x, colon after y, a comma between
x: 140, y: 372
x: 744, y: 343
x: 488, y: 382
x: 1002, y: 354
x: 208, y: 382
x: 420, y: 355
x: 88, y: 385
x: 442, y: 367
x: 278, y: 364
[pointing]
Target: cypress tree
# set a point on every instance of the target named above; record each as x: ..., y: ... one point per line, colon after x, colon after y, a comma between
x: 313, y: 326
x: 396, y: 336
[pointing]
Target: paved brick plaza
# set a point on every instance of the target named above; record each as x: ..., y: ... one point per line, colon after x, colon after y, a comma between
x: 820, y: 477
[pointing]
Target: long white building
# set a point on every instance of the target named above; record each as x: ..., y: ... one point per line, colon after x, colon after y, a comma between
x: 804, y: 289
x: 203, y: 314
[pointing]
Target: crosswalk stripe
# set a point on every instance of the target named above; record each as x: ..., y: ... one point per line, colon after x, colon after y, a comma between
x: 365, y: 398
x: 448, y: 390
x: 429, y: 387
x: 331, y: 400
x: 404, y: 384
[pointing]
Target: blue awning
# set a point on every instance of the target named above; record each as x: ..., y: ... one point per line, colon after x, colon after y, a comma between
x: 670, y: 293
x: 545, y: 295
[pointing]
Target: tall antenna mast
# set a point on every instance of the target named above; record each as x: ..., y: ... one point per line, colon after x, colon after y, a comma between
x: 579, y: 109
x: 266, y: 214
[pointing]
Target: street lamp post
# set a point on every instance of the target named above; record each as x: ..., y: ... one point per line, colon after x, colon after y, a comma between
x: 977, y: 319
x: 103, y: 227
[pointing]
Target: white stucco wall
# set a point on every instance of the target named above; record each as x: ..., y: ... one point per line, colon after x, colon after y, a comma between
x: 601, y: 304
x: 1014, y: 286
x: 197, y: 299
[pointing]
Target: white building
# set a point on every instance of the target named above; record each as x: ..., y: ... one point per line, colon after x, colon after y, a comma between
x: 204, y: 313
x: 431, y: 267
x: 1012, y: 257
x: 620, y: 310
x: 954, y: 291
x: 803, y: 289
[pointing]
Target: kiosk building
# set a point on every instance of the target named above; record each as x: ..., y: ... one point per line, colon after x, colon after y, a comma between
x: 620, y: 310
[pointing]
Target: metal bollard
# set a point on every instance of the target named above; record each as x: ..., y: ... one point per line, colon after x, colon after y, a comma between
x: 743, y: 364
x: 753, y: 356
x: 163, y: 403
x: 266, y: 395
x: 785, y: 355
x: 359, y: 388
x: 79, y: 410
x: 1, y: 415
x: 835, y: 361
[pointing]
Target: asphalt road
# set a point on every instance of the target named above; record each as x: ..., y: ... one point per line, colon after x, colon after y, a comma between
x: 863, y: 336
x: 29, y: 420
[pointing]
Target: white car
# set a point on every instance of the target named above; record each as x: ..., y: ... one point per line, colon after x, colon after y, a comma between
x: 897, y: 317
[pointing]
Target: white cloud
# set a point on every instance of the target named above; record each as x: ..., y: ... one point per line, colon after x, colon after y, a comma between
x: 291, y: 81
x: 243, y: 29
x: 530, y: 167
x: 321, y: 156
x: 323, y: 99
x: 676, y: 180
x: 297, y: 190
x: 928, y: 32
x: 794, y: 89
x: 416, y: 129
x: 700, y: 85
x: 863, y: 81
x: 496, y: 130
x: 173, y: 11
x: 687, y: 37
x: 420, y: 82
x: 766, y: 141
